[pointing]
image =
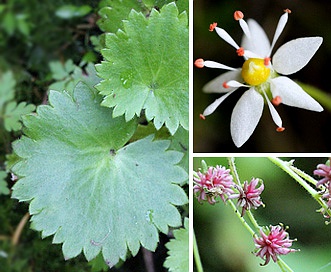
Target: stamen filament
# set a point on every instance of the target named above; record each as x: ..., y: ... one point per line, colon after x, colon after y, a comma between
x: 213, y: 106
x: 226, y: 37
x: 214, y: 64
x: 274, y: 114
x: 280, y: 27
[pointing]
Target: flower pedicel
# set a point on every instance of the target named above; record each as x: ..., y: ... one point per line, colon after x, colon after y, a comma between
x: 261, y: 76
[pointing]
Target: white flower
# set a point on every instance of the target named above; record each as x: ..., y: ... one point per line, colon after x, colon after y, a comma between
x: 261, y: 76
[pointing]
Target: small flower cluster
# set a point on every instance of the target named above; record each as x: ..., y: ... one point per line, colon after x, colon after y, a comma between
x: 324, y: 170
x: 249, y: 196
x: 211, y: 182
x: 217, y: 181
x: 273, y: 241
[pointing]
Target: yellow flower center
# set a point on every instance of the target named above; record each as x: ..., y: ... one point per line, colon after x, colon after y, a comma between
x: 254, y: 72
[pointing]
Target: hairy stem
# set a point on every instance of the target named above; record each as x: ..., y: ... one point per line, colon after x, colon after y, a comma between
x: 296, y: 175
x: 196, y: 254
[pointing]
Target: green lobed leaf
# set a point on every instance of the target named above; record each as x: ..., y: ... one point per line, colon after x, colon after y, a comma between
x: 69, y: 75
x: 3, y: 183
x: 61, y: 71
x: 9, y: 23
x: 89, y: 189
x: 7, y: 91
x: 13, y: 113
x: 180, y: 142
x: 178, y: 259
x: 146, y: 67
x: 71, y: 11
x: 181, y: 4
x: 113, y: 12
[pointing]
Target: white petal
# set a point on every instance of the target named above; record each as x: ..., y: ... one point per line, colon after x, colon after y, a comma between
x: 259, y: 42
x: 214, y: 64
x: 216, y: 85
x: 226, y: 37
x: 213, y: 106
x: 245, y: 116
x: 245, y: 28
x: 274, y: 114
x: 292, y: 94
x: 280, y: 27
x: 249, y: 54
x: 294, y: 55
x: 236, y: 84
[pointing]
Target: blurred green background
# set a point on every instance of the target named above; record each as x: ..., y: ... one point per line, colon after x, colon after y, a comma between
x: 306, y: 131
x: 225, y: 245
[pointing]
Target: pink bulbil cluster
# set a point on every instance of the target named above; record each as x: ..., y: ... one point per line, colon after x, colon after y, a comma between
x: 249, y: 197
x: 324, y: 171
x: 273, y: 241
x: 217, y: 181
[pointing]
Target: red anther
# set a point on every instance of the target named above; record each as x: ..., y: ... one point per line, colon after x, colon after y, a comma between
x: 240, y: 51
x: 238, y: 15
x: 200, y: 63
x: 276, y: 100
x: 225, y: 85
x: 212, y: 26
x: 280, y: 129
x: 202, y: 117
x: 267, y: 61
x: 288, y: 11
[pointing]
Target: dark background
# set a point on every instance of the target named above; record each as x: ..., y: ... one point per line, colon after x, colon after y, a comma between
x: 306, y: 131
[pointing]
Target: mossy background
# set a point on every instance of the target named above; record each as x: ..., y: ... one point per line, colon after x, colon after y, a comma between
x: 32, y: 36
x: 306, y: 131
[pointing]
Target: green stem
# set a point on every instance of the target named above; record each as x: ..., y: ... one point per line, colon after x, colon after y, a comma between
x: 304, y: 175
x: 233, y: 169
x: 253, y: 220
x: 321, y: 96
x: 286, y: 166
x: 283, y: 266
x: 289, y: 169
x: 242, y: 219
x: 196, y: 254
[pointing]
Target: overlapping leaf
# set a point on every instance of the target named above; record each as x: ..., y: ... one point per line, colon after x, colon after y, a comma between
x: 68, y: 75
x: 13, y: 113
x: 7, y: 91
x: 146, y: 68
x: 112, y: 12
x: 88, y: 188
x: 181, y: 4
x: 10, y: 111
x: 178, y: 259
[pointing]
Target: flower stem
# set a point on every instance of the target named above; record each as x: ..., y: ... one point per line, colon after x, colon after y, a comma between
x: 286, y: 166
x: 242, y: 219
x: 233, y: 169
x: 295, y: 174
x: 196, y: 254
x: 235, y: 175
x: 304, y: 175
x: 253, y: 220
x: 283, y: 266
